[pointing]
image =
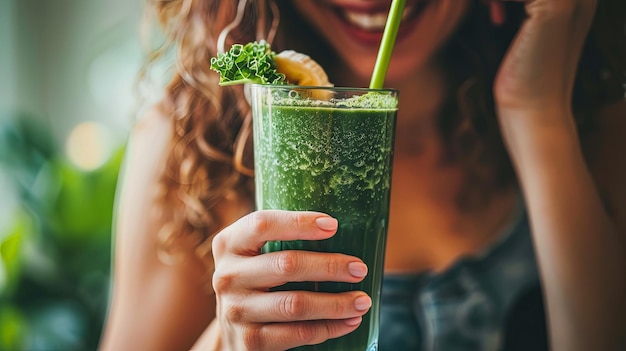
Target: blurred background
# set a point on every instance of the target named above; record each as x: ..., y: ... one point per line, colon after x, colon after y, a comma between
x: 67, y: 102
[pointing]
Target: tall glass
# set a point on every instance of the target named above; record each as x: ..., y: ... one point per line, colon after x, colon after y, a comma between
x: 329, y: 150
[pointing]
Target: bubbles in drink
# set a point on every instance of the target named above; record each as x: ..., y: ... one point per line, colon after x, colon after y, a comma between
x: 342, y: 153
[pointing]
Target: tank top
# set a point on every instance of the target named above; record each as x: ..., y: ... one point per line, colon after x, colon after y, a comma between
x: 482, y: 302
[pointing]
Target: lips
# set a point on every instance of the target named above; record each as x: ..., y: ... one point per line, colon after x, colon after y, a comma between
x: 373, y: 19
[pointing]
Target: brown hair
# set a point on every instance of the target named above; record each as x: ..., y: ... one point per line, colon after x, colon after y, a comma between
x: 211, y: 154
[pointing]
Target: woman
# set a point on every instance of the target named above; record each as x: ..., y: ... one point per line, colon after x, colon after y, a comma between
x: 508, y: 190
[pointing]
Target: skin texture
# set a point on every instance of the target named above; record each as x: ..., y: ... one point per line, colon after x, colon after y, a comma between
x: 580, y: 244
x: 412, y: 53
x: 533, y: 108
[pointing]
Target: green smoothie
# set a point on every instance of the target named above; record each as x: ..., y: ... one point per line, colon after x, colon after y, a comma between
x: 332, y: 155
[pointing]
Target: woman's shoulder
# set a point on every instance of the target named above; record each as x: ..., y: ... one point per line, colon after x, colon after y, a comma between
x: 177, y: 287
x: 148, y: 144
x: 144, y: 164
x: 152, y: 131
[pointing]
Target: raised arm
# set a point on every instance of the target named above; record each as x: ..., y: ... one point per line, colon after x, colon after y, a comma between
x: 580, y: 245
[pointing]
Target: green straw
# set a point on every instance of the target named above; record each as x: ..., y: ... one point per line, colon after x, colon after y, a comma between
x: 386, y: 45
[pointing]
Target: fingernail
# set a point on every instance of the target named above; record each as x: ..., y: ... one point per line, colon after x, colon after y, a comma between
x: 326, y: 223
x: 362, y: 303
x: 357, y: 269
x: 354, y: 321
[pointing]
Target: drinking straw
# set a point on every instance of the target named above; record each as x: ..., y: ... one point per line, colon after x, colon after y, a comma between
x: 387, y: 43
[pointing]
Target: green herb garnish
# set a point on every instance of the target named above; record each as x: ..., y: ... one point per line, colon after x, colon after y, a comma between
x: 250, y: 63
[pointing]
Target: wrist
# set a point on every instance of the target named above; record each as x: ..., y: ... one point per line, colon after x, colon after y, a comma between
x: 536, y: 114
x: 540, y: 138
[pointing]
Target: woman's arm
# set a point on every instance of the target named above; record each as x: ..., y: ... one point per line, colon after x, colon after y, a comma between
x: 154, y: 306
x: 580, y: 248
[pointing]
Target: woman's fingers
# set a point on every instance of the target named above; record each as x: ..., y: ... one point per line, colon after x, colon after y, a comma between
x: 248, y: 234
x: 539, y: 69
x: 295, y: 306
x: 252, y: 317
x: 277, y: 268
x: 284, y: 336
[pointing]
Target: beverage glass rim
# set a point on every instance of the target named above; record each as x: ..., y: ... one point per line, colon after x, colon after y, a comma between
x: 319, y: 87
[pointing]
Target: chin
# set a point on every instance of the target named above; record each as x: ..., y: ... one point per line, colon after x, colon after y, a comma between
x: 400, y: 70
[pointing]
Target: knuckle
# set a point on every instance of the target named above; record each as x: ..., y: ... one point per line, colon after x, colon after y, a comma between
x: 222, y: 281
x: 339, y: 307
x: 218, y: 244
x: 287, y: 263
x: 298, y: 220
x: 332, y: 268
x: 331, y: 330
x: 292, y: 306
x: 234, y: 313
x: 259, y: 221
x: 253, y: 338
x: 306, y: 334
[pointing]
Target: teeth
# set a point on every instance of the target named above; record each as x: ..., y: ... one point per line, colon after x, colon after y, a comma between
x: 372, y: 22
x: 367, y: 21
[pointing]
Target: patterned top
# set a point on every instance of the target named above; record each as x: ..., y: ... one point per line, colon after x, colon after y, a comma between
x: 466, y: 307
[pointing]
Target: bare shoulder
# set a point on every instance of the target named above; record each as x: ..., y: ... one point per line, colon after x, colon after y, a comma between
x: 149, y: 139
x: 144, y: 287
x: 143, y: 166
x: 605, y: 153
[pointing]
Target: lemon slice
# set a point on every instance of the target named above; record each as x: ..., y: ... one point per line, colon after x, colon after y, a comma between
x: 300, y: 69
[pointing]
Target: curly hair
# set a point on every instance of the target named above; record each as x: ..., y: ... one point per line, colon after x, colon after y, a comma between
x: 211, y: 155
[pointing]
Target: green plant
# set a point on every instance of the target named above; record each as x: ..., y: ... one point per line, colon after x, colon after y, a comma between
x: 55, y: 250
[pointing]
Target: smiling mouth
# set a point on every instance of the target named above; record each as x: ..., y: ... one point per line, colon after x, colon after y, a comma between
x: 374, y: 21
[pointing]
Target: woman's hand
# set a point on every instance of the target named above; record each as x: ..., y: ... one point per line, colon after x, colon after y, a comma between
x: 538, y: 72
x: 578, y: 246
x: 253, y: 318
x: 534, y: 85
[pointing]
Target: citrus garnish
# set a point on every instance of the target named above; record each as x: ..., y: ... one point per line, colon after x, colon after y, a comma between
x: 300, y: 69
